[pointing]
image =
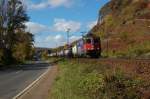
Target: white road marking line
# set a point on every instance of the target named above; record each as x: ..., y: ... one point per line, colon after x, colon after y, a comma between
x: 31, y: 85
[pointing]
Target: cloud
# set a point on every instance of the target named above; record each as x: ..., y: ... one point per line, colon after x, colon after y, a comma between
x: 59, y: 40
x: 61, y: 25
x: 57, y: 3
x: 56, y: 38
x: 55, y: 41
x: 90, y: 25
x: 41, y: 5
x: 48, y: 3
x: 74, y: 38
x: 36, y: 28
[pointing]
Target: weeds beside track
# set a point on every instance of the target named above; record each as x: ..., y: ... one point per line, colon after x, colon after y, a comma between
x: 132, y: 66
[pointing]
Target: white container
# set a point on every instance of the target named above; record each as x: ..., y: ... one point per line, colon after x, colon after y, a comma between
x: 74, y: 50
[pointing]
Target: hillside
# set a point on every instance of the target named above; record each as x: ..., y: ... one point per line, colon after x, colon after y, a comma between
x: 124, y: 28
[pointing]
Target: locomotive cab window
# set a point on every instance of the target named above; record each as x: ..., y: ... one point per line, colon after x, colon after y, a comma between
x: 96, y: 40
x: 88, y: 41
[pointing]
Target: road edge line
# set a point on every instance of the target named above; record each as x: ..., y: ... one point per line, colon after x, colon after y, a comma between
x: 31, y: 85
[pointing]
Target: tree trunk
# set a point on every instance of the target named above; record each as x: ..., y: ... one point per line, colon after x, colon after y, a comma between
x: 7, y: 58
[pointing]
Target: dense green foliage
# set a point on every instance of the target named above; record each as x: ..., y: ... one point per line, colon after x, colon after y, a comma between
x: 94, y: 81
x: 44, y: 55
x: 15, y: 43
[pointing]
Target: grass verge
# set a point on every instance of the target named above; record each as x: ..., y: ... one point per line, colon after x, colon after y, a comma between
x: 94, y: 81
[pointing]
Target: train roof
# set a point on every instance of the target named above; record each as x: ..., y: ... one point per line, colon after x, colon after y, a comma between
x: 92, y: 35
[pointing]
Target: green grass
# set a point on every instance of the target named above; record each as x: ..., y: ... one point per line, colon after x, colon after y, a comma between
x: 93, y: 81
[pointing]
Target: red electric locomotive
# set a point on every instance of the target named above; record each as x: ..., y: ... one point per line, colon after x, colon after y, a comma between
x: 92, y: 46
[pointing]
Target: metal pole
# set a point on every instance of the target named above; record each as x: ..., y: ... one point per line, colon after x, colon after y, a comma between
x: 68, y: 31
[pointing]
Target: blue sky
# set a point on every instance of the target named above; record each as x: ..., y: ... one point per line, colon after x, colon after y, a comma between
x: 49, y: 19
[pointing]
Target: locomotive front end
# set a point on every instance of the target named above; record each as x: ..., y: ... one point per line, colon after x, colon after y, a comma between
x: 92, y: 47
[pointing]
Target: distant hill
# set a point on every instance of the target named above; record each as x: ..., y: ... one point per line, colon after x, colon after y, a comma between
x: 124, y: 27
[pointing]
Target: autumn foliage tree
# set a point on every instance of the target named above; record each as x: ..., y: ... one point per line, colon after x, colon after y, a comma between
x: 23, y: 49
x: 13, y: 38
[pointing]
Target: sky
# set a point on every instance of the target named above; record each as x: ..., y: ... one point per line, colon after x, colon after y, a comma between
x: 50, y: 19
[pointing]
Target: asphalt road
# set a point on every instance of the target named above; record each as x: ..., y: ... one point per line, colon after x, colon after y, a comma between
x: 14, y: 81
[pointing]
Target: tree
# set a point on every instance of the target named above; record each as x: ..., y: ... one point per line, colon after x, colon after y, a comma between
x: 12, y: 18
x: 23, y: 49
x: 44, y: 55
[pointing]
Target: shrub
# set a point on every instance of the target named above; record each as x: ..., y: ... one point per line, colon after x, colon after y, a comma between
x: 92, y: 85
x: 121, y: 86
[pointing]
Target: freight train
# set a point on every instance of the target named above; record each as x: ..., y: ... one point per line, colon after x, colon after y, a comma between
x: 87, y: 46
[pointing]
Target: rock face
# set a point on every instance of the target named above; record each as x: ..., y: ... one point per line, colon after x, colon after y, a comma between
x: 124, y: 27
x: 119, y: 7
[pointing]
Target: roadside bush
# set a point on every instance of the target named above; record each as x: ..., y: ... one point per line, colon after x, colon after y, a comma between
x: 121, y: 86
x: 44, y: 55
x: 92, y: 85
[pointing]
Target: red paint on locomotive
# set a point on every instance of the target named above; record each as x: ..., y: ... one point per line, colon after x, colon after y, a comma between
x: 92, y: 47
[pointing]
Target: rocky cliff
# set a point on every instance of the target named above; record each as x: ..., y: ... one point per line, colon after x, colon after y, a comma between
x: 124, y: 27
